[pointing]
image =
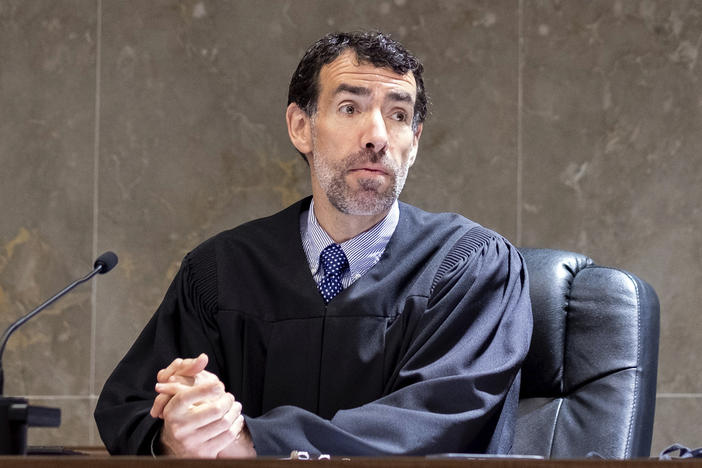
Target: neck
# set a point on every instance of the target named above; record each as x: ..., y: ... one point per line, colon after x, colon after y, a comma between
x: 341, y: 226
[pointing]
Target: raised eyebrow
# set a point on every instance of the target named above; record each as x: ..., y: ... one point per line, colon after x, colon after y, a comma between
x: 400, y: 96
x: 358, y: 90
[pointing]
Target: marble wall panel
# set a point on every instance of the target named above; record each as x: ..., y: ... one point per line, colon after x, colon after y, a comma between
x: 611, y: 151
x: 47, y: 77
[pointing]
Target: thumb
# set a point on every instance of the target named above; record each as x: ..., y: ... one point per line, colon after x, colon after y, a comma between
x: 193, y: 366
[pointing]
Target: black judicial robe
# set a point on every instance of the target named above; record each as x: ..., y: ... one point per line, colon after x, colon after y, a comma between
x: 420, y: 355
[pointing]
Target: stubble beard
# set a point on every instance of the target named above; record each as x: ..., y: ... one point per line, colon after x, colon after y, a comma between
x: 370, y: 198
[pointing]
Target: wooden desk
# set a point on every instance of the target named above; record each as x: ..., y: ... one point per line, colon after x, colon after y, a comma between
x: 389, y: 462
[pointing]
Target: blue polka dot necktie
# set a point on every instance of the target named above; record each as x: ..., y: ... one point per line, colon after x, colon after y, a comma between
x: 335, y: 263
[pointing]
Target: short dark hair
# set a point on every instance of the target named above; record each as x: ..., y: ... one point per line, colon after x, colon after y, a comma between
x: 370, y: 47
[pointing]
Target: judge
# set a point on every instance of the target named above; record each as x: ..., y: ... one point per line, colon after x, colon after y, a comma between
x: 349, y: 323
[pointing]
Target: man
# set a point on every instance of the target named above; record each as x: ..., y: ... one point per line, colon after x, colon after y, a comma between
x: 349, y: 323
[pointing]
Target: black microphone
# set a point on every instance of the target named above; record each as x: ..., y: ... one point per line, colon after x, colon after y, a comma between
x: 106, y: 262
x: 102, y: 265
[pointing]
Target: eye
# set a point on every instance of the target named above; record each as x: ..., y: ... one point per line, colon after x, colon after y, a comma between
x: 347, y: 109
x: 400, y: 116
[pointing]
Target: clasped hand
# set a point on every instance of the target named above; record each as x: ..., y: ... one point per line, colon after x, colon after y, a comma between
x: 201, y: 419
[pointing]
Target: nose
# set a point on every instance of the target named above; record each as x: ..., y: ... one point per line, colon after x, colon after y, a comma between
x: 375, y: 134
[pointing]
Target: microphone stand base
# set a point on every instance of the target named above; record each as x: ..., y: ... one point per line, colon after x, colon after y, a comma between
x: 16, y: 415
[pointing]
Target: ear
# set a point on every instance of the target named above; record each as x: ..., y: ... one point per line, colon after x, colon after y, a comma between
x: 415, y: 144
x: 299, y: 128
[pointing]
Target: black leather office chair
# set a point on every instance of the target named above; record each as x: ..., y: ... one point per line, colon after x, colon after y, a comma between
x: 589, y: 380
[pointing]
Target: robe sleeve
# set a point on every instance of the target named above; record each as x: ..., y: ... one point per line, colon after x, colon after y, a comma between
x: 122, y: 412
x: 456, y: 386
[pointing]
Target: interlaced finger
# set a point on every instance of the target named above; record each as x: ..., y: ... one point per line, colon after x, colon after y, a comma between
x: 185, y: 400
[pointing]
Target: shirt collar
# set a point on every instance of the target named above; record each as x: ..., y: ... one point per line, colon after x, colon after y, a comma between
x: 362, y: 251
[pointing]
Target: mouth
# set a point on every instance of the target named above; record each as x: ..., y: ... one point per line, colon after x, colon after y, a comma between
x: 370, y: 170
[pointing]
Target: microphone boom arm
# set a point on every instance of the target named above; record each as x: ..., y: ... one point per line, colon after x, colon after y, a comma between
x: 101, y: 266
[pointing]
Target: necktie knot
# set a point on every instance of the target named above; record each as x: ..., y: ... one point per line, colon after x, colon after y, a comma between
x: 334, y: 263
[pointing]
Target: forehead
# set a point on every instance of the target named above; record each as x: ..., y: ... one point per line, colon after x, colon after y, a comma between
x: 347, y: 69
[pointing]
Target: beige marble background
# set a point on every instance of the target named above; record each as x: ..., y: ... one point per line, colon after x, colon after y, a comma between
x: 145, y: 127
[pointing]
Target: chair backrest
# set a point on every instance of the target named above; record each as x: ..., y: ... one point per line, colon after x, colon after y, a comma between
x: 589, y: 380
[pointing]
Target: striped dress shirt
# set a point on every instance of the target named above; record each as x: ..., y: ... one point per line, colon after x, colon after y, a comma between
x: 362, y: 251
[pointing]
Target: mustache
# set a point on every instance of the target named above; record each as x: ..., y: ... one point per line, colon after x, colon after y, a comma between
x: 370, y: 156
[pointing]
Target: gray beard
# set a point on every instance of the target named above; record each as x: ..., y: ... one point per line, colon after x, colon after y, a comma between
x: 369, y: 198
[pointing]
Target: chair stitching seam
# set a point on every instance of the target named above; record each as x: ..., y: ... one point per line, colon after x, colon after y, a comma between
x: 561, y: 401
x: 566, y: 309
x: 638, y: 362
